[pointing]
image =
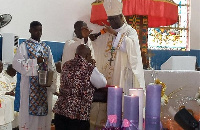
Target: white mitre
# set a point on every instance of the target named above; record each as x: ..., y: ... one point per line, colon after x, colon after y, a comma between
x: 113, y: 7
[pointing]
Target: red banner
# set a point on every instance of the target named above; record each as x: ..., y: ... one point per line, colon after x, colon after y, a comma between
x: 159, y: 12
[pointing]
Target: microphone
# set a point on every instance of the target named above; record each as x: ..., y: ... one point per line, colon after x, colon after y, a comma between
x: 94, y: 36
x: 102, y: 31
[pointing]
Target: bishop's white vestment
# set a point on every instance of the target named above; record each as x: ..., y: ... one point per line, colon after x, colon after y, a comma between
x: 119, y: 58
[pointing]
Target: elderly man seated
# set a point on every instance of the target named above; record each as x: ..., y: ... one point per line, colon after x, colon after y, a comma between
x: 7, y: 78
x: 7, y: 85
x: 10, y: 77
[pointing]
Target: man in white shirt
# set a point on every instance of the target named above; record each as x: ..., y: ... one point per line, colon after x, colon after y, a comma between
x: 82, y: 37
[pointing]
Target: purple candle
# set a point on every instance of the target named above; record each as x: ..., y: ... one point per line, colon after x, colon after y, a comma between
x: 139, y: 92
x: 114, y: 107
x: 131, y: 112
x: 153, y: 103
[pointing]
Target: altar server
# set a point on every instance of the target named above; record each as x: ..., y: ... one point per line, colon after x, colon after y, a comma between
x: 35, y: 102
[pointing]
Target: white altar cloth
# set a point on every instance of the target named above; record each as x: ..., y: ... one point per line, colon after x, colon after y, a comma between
x: 174, y: 79
x: 189, y: 81
x: 179, y: 63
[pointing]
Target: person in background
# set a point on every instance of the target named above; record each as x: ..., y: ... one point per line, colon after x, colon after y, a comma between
x: 2, y: 79
x: 58, y: 71
x: 82, y: 37
x: 79, y: 77
x: 17, y: 93
x: 35, y: 100
x: 6, y: 100
x: 57, y: 80
x: 58, y: 66
x: 7, y: 86
x: 3, y: 84
x: 10, y: 75
x: 7, y: 79
x: 11, y: 72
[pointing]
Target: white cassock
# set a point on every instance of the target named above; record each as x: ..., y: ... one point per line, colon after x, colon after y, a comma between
x: 7, y: 103
x: 70, y: 48
x: 10, y: 80
x: 28, y: 67
x: 4, y: 85
x: 7, y: 83
x: 125, y: 68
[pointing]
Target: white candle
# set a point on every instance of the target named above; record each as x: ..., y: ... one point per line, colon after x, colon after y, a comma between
x: 140, y: 93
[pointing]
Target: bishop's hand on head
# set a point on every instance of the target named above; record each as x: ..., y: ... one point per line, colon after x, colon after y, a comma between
x: 110, y: 30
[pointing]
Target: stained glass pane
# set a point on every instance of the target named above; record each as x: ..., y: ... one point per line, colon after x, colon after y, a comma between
x: 173, y: 37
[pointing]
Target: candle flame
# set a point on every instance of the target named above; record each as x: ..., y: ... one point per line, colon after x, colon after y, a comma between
x: 132, y: 95
x: 116, y: 87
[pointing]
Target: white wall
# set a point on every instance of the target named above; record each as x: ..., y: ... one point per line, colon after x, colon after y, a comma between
x: 57, y: 17
x: 195, y: 25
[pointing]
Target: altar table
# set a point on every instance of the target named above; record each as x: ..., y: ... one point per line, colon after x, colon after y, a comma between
x: 189, y: 81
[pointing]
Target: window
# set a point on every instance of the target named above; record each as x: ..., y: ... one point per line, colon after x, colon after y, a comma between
x: 173, y: 37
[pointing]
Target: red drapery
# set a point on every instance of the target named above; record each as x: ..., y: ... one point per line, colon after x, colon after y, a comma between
x: 159, y: 12
x: 98, y: 14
